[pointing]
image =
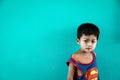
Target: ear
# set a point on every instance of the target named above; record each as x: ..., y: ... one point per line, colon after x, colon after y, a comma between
x: 78, y: 40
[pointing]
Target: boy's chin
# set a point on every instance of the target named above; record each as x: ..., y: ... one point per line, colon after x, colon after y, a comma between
x: 88, y: 50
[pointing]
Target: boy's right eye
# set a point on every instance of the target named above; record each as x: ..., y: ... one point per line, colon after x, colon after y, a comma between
x: 85, y: 40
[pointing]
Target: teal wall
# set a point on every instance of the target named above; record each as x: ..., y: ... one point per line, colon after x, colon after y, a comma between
x: 38, y: 36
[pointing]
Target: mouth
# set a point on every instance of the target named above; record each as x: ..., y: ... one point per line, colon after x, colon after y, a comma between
x: 88, y: 48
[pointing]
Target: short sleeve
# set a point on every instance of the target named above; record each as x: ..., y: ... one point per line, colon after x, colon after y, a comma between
x: 70, y: 61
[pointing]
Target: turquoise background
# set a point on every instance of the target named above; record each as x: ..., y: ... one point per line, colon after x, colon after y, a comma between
x: 38, y: 36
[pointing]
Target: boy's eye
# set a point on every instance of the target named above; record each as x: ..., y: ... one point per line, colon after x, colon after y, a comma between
x: 93, y: 41
x: 85, y: 40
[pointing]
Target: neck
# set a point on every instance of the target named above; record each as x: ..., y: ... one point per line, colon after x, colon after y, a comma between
x: 84, y: 52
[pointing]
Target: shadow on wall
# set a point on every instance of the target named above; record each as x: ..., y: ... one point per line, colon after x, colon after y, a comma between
x: 70, y: 41
x: 117, y: 31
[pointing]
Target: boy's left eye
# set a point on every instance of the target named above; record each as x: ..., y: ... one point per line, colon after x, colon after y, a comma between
x: 93, y: 41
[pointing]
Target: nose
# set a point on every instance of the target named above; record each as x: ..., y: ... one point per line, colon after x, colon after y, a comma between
x: 89, y: 43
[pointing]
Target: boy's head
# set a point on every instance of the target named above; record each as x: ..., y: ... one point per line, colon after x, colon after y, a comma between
x: 87, y: 29
x: 87, y: 36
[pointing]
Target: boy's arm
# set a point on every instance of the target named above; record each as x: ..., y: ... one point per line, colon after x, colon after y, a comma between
x: 71, y: 71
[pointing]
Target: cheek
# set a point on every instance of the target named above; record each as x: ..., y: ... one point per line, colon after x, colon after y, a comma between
x: 82, y: 44
x: 94, y: 45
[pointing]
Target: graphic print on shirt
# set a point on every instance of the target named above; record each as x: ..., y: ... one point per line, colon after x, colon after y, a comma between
x: 91, y: 74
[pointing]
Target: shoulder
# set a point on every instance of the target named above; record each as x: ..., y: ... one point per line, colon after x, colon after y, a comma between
x: 74, y: 55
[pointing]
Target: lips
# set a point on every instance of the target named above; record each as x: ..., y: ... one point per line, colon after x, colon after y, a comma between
x: 88, y: 48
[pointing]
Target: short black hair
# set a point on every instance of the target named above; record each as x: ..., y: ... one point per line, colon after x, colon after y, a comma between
x: 88, y: 29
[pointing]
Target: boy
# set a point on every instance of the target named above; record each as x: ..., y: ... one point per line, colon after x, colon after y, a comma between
x: 82, y: 64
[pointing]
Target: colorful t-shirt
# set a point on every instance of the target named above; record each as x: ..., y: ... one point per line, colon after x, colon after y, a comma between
x: 89, y: 71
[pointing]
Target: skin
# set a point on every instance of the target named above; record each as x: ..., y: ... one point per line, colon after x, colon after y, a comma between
x: 87, y: 44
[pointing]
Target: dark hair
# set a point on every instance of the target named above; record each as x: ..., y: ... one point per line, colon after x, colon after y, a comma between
x: 88, y: 29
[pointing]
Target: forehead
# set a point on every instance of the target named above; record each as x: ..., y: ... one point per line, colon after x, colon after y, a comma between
x: 92, y: 36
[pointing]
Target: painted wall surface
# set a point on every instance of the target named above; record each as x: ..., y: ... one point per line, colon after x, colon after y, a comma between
x: 38, y: 36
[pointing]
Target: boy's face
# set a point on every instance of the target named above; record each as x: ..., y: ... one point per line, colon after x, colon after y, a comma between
x: 87, y: 42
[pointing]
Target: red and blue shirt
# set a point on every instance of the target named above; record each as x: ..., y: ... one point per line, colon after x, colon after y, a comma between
x: 89, y: 71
